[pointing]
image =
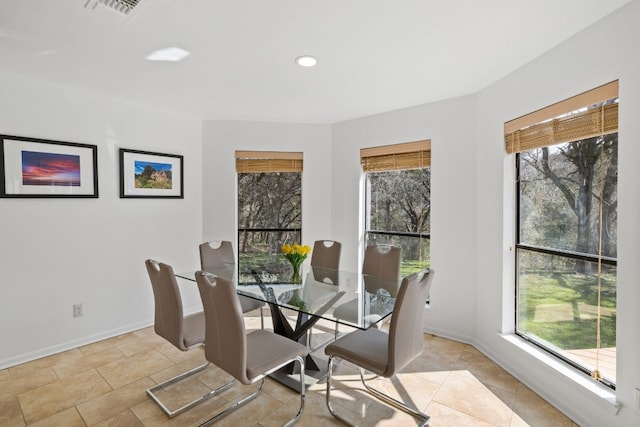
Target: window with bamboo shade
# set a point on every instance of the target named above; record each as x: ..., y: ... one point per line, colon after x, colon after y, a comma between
x: 398, y: 200
x: 566, y: 219
x: 409, y: 155
x: 269, y: 207
x: 268, y: 161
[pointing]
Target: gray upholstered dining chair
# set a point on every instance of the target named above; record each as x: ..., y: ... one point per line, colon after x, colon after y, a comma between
x: 380, y: 261
x: 219, y: 252
x: 386, y: 354
x: 326, y: 254
x: 325, y: 262
x: 246, y: 357
x: 184, y: 332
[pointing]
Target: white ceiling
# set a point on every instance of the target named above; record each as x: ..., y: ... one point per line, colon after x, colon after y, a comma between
x: 373, y: 55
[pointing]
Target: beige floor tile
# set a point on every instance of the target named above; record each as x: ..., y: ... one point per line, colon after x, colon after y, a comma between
x: 175, y: 354
x: 150, y: 414
x: 114, y: 402
x: 181, y: 393
x: 51, y: 398
x: 434, y: 372
x: 507, y: 397
x: 33, y: 368
x: 140, y: 344
x: 104, y: 344
x: 252, y: 413
x: 10, y: 413
x: 315, y: 413
x: 133, y: 368
x: 67, y: 368
x: 407, y: 387
x: 280, y: 392
x: 67, y: 418
x: 458, y: 385
x: 482, y: 368
x: 538, y: 412
x: 470, y: 396
x: 443, y: 416
x: 12, y: 387
x: 181, y: 367
x: 125, y: 418
x: 144, y: 332
x: 360, y: 408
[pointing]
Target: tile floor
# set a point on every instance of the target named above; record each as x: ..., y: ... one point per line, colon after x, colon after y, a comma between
x: 104, y: 384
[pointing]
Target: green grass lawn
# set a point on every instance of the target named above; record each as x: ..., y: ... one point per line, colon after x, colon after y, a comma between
x: 561, y: 309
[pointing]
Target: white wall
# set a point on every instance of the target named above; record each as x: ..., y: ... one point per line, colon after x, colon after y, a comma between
x: 604, y: 52
x: 451, y: 127
x: 58, y: 252
x: 222, y: 138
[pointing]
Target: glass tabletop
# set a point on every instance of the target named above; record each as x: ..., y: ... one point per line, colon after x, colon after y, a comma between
x: 349, y: 298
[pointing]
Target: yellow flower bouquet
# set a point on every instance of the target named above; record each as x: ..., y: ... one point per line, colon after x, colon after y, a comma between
x: 296, y: 254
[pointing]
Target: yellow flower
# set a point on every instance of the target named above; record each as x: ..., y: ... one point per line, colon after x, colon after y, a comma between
x: 295, y: 253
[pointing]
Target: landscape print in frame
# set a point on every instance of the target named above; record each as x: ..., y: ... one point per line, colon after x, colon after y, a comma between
x: 145, y: 174
x: 34, y: 167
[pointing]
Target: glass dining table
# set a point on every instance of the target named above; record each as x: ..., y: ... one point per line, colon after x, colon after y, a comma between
x: 321, y: 292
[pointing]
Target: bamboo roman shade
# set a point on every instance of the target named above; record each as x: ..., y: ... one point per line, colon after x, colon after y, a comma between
x: 409, y: 155
x: 268, y: 161
x: 553, y: 125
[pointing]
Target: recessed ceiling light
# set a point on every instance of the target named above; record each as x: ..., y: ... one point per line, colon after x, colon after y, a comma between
x: 306, y: 61
x: 168, y: 54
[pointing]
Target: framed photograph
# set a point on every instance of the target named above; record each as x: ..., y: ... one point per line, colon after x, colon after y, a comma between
x: 32, y: 167
x: 147, y: 174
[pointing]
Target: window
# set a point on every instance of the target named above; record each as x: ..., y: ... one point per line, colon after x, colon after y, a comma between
x: 398, y: 200
x: 269, y: 207
x: 566, y: 235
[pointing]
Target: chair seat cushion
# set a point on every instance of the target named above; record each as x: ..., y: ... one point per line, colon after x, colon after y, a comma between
x: 193, y: 333
x: 367, y: 349
x: 348, y: 312
x: 267, y: 351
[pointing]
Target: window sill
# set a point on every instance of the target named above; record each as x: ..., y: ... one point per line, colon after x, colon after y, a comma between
x: 601, y: 391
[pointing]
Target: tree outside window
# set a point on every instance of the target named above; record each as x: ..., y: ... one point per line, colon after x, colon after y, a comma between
x: 269, y: 215
x: 566, y: 250
x: 399, y: 212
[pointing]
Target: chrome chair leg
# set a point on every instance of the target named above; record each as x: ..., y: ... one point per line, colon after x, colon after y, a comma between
x: 328, y: 396
x: 243, y: 401
x: 235, y: 406
x: 152, y: 391
x: 295, y: 419
x: 422, y: 418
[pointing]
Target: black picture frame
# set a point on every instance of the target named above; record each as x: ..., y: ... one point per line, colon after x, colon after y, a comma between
x: 45, y: 168
x: 147, y: 174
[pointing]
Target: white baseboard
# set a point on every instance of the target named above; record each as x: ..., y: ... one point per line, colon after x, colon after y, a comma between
x: 58, y: 348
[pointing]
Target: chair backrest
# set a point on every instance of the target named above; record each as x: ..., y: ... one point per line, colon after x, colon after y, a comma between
x: 406, y: 338
x: 216, y: 253
x: 168, y: 320
x: 226, y: 343
x: 326, y: 254
x: 382, y: 261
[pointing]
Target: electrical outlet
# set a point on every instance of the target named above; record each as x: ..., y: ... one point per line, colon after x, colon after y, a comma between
x: 78, y: 310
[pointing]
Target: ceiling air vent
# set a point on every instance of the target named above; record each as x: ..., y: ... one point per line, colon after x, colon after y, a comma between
x: 118, y: 7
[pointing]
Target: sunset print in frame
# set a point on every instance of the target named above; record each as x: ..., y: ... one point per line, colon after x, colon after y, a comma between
x: 145, y: 174
x: 33, y: 167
